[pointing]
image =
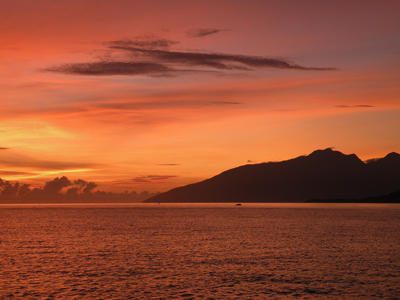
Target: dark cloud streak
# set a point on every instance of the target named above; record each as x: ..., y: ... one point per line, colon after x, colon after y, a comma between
x: 113, y: 68
x: 143, y: 43
x: 152, y: 57
x: 202, y: 32
x: 217, y: 60
x: 353, y: 106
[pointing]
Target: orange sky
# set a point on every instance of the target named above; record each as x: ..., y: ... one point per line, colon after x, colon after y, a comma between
x: 149, y: 95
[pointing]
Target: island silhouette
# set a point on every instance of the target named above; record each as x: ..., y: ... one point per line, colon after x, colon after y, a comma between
x: 322, y: 176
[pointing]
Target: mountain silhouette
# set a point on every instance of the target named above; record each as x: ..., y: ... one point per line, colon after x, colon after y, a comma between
x: 324, y: 174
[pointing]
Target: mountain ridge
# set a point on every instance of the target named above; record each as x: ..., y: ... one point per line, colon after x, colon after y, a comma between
x: 323, y: 174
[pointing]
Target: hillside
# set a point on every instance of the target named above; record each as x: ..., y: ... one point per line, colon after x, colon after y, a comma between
x: 324, y: 174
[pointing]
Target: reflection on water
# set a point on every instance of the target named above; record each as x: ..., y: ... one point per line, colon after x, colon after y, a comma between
x: 220, y: 251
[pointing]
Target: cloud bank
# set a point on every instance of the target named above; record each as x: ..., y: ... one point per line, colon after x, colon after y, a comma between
x: 62, y: 190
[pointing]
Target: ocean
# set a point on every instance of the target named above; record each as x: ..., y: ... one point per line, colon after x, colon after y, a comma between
x: 200, y: 251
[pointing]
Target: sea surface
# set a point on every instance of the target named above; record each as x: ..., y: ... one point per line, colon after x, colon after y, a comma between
x: 200, y: 251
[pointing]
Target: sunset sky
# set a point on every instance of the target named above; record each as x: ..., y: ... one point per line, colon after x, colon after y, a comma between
x: 150, y: 95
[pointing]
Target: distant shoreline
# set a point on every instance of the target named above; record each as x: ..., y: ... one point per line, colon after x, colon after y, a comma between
x: 316, y: 201
x: 352, y: 201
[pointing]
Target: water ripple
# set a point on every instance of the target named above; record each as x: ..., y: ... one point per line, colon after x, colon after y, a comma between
x: 199, y: 253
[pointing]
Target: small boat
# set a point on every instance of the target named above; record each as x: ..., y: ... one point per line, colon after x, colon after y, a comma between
x: 238, y: 204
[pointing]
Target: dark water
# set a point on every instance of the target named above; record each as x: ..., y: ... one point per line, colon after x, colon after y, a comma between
x: 265, y: 251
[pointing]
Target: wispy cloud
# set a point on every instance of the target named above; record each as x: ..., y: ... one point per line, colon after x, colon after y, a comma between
x: 136, y: 106
x: 353, y: 106
x: 4, y: 148
x: 202, y: 32
x: 154, y: 57
x: 13, y: 173
x: 152, y: 178
x: 21, y: 161
x: 168, y: 164
x: 222, y: 103
x: 285, y: 110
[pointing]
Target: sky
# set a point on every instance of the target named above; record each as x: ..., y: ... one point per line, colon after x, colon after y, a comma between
x: 151, y: 95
